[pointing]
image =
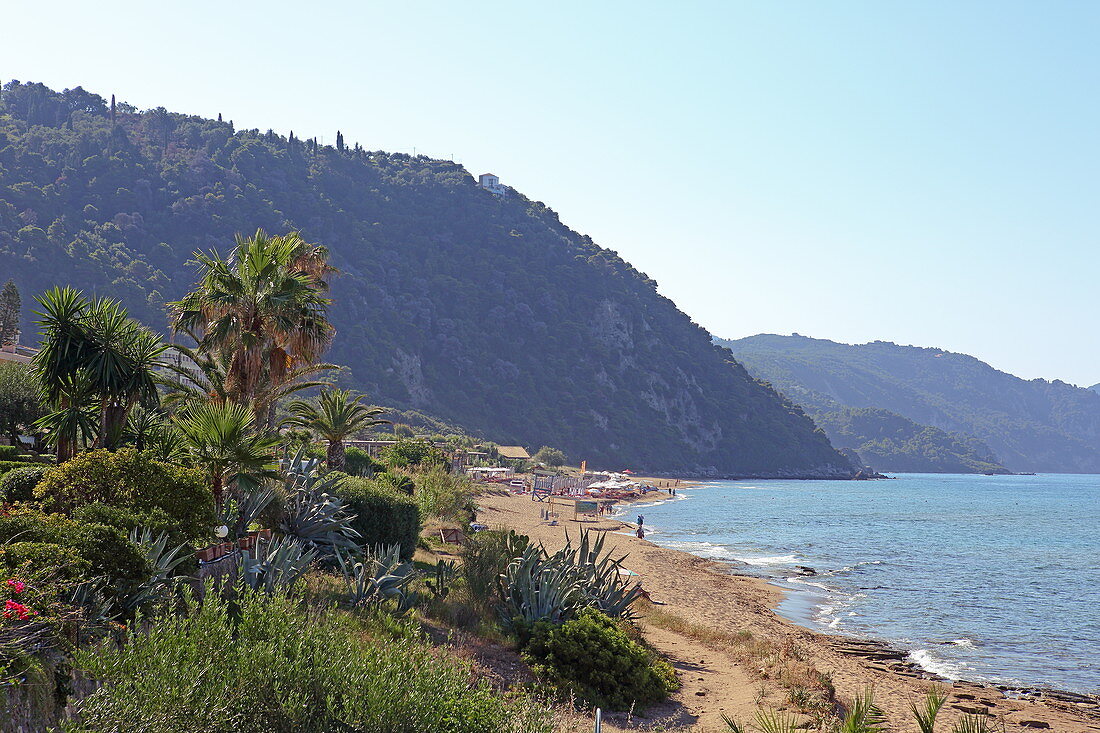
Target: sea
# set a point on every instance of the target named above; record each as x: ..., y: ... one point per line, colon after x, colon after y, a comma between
x: 986, y: 578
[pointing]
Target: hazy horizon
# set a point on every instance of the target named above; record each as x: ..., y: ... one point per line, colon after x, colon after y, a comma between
x: 918, y: 174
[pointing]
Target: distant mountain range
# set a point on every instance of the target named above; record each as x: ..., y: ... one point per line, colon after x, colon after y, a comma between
x: 474, y: 304
x: 904, y: 408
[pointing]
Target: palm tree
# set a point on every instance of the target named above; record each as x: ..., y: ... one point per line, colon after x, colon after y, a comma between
x: 337, y: 414
x: 221, y: 438
x: 262, y: 309
x: 93, y: 348
x: 72, y: 422
x: 197, y: 376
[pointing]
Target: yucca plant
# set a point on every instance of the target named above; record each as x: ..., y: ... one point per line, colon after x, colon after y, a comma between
x: 927, y: 712
x: 864, y: 716
x: 378, y: 577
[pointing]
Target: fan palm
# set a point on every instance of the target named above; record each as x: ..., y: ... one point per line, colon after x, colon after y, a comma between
x: 262, y: 309
x: 197, y: 376
x: 337, y: 414
x: 221, y: 438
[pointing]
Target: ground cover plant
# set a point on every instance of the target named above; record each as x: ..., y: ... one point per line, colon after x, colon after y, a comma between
x: 270, y: 664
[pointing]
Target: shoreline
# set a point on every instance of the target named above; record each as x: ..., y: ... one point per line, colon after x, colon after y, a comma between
x: 712, y: 595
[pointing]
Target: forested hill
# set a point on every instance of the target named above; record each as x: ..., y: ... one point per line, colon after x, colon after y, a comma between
x: 483, y: 310
x: 1028, y: 425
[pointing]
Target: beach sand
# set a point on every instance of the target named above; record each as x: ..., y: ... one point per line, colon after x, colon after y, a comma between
x: 718, y: 680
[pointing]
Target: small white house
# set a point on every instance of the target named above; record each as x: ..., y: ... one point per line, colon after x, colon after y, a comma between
x: 491, y: 183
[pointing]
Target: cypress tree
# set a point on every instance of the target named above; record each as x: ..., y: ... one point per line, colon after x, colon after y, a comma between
x: 339, y: 141
x: 10, y: 306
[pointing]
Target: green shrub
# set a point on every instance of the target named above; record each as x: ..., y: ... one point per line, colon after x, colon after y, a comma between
x: 412, y: 453
x: 272, y: 665
x: 550, y: 456
x: 132, y: 481
x: 63, y: 561
x: 595, y: 659
x: 485, y: 557
x: 445, y: 496
x: 18, y: 484
x: 397, y: 481
x: 156, y: 520
x: 6, y: 466
x: 108, y: 551
x: 383, y: 516
x: 357, y: 462
x: 9, y: 453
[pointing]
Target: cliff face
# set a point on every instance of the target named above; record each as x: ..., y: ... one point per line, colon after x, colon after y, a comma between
x: 1036, y: 425
x: 482, y: 309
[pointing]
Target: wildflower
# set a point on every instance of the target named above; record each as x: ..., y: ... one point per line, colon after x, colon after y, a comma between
x: 16, y: 585
x: 17, y: 610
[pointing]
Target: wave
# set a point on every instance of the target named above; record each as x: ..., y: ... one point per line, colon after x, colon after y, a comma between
x: 931, y: 663
x: 762, y: 560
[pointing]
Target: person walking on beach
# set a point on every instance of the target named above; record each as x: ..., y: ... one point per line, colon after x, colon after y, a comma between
x: 641, y: 520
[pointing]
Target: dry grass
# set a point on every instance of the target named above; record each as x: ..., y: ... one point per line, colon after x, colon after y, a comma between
x: 808, y: 689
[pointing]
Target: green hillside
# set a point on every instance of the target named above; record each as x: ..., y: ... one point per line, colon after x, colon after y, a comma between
x: 486, y: 311
x: 1028, y: 425
x: 889, y: 442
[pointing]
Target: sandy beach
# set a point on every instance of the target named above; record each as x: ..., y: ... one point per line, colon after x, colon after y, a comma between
x: 735, y: 655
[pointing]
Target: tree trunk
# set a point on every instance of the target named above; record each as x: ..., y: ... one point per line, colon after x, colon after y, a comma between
x: 335, y: 456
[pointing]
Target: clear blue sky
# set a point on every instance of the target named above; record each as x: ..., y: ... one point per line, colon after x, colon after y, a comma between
x: 919, y: 172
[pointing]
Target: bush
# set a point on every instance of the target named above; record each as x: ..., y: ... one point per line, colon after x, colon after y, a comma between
x: 383, y: 516
x: 595, y: 659
x: 485, y: 557
x: 64, y: 562
x: 357, y: 462
x: 550, y: 456
x: 18, y: 484
x: 132, y: 481
x: 412, y: 453
x: 269, y: 664
x: 156, y: 520
x: 6, y: 466
x: 444, y: 496
x: 108, y: 551
x: 9, y: 453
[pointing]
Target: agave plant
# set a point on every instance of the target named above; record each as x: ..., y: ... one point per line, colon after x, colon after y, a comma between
x: 239, y: 513
x: 538, y: 586
x: 276, y: 566
x: 603, y: 585
x: 535, y: 587
x: 380, y: 576
x: 164, y: 562
x: 926, y: 714
x: 314, y: 514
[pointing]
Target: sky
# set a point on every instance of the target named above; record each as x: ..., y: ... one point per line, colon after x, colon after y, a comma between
x: 920, y: 172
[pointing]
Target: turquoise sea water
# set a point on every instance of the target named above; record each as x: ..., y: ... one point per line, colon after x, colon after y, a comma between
x: 991, y: 578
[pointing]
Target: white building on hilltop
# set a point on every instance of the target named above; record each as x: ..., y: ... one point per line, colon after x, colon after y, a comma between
x: 492, y: 184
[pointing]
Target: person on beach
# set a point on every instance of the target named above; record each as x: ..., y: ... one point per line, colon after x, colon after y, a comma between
x: 641, y: 533
x: 641, y: 520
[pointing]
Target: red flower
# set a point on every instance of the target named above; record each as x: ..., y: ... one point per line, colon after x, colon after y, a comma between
x: 16, y: 585
x: 17, y: 610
